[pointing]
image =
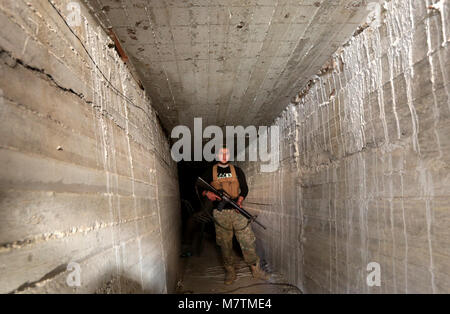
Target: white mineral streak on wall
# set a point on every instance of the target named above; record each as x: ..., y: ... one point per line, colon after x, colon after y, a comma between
x: 400, y: 25
x: 98, y: 84
x: 367, y: 174
x: 441, y: 7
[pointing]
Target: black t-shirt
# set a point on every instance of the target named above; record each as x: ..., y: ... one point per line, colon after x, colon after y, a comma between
x: 226, y: 172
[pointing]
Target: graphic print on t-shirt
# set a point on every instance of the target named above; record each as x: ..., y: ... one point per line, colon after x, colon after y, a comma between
x: 224, y: 175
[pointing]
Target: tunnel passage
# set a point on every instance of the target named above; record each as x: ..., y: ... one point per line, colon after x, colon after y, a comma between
x: 90, y: 196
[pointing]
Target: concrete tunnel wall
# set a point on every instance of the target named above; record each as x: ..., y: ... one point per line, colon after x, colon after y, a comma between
x: 364, y: 172
x: 86, y: 175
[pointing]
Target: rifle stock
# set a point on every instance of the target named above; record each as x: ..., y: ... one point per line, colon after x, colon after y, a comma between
x: 225, y: 197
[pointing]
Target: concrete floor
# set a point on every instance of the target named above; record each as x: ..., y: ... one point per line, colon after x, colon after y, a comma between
x: 204, y: 274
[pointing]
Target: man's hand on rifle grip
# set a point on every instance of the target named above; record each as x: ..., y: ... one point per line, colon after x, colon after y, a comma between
x: 211, y: 196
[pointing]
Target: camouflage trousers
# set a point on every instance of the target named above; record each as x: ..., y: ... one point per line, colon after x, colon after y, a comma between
x: 236, y: 224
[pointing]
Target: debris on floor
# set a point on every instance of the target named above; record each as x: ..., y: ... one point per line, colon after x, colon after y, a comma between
x: 204, y: 274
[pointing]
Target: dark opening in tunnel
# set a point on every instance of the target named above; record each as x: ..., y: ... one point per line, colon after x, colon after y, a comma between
x: 195, y: 209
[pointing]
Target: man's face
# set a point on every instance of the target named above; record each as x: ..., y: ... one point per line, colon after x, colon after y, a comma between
x: 223, y: 156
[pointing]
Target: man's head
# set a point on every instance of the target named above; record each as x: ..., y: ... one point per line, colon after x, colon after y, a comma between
x: 223, y: 155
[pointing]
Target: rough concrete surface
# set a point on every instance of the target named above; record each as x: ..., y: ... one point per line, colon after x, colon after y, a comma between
x: 85, y: 166
x: 204, y: 274
x: 231, y: 62
x: 364, y: 170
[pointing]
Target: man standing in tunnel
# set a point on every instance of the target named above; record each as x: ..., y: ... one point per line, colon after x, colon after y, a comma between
x: 228, y: 221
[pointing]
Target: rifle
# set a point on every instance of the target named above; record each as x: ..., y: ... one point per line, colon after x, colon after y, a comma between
x: 227, y: 198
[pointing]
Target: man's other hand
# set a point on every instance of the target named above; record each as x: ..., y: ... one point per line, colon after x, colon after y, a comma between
x: 240, y: 200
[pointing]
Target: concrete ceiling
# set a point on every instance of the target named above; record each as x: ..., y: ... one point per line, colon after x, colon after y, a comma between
x: 232, y: 62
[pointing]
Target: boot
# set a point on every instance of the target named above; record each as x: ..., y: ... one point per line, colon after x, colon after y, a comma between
x: 230, y: 275
x: 258, y: 273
